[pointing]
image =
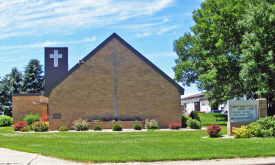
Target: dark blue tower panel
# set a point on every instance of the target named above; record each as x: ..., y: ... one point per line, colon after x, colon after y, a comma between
x: 56, y: 64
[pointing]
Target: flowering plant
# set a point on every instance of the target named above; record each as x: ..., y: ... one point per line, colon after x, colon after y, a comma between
x: 80, y: 125
x: 174, y: 125
x: 152, y: 124
x: 40, y: 126
x: 44, y: 118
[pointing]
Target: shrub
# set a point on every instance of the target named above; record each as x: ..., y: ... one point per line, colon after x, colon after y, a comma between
x: 30, y: 127
x: 194, y: 124
x: 194, y: 115
x: 63, y: 128
x: 5, y: 120
x: 25, y: 129
x: 80, y: 125
x: 117, y: 127
x: 40, y: 126
x: 97, y: 128
x: 137, y: 127
x: 263, y: 127
x: 44, y: 118
x: 213, y: 130
x: 243, y: 132
x: 30, y: 118
x: 184, y: 119
x: 20, y: 125
x: 174, y: 125
x: 152, y: 124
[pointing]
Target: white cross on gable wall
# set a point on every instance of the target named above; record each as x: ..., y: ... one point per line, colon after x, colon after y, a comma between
x: 55, y: 56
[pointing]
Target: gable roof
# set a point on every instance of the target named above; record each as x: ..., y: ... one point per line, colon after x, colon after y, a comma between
x: 114, y: 35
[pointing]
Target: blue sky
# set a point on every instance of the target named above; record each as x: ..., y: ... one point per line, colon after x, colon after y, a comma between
x: 150, y: 26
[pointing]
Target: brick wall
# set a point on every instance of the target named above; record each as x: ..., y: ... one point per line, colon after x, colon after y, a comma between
x: 88, y: 92
x: 28, y: 103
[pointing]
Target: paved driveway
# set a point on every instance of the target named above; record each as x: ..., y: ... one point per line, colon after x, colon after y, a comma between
x: 11, y: 157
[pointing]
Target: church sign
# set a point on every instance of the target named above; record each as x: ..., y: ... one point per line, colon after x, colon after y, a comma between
x: 242, y: 110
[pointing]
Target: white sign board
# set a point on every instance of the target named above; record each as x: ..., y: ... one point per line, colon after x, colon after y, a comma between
x: 242, y: 110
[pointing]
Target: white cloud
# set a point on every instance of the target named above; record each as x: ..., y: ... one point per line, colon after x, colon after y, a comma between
x: 143, y: 34
x: 41, y: 17
x: 167, y: 29
x: 47, y: 43
x: 161, y: 55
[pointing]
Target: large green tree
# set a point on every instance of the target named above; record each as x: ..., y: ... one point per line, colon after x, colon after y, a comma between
x: 213, y: 55
x: 258, y: 48
x: 11, y: 83
x: 33, y: 80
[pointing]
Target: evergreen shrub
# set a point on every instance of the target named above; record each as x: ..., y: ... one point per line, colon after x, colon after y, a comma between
x: 184, y: 119
x: 80, y: 125
x: 5, y: 120
x: 194, y: 124
x: 18, y: 126
x: 117, y: 127
x: 137, y: 127
x: 25, y: 129
x: 194, y: 115
x: 63, y: 128
x: 97, y: 128
x: 243, y: 132
x: 213, y: 130
x: 30, y: 118
x: 40, y: 126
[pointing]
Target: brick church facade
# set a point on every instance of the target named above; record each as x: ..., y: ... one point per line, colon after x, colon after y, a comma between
x: 114, y: 80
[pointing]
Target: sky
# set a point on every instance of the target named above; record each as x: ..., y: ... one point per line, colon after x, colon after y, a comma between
x: 150, y: 26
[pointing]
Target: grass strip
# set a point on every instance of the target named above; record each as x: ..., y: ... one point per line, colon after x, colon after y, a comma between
x: 135, y: 146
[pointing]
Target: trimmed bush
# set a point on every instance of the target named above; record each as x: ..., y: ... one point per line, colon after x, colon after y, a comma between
x: 5, y: 120
x: 184, y: 119
x: 40, y: 126
x: 194, y: 124
x: 264, y: 127
x: 213, y: 130
x: 19, y: 126
x: 194, y: 115
x: 97, y: 128
x: 44, y: 118
x: 243, y: 132
x: 117, y: 127
x: 152, y: 124
x: 25, y: 129
x: 30, y: 127
x: 174, y: 125
x: 30, y: 118
x: 63, y: 128
x: 137, y: 127
x: 80, y: 125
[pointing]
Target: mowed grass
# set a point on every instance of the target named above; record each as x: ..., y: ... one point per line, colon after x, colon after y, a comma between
x: 135, y: 146
x: 209, y: 118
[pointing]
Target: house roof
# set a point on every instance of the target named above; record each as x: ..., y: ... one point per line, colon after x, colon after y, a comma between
x: 114, y: 35
x: 193, y: 96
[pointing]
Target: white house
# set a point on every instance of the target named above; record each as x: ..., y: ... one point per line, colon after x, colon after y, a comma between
x: 195, y: 102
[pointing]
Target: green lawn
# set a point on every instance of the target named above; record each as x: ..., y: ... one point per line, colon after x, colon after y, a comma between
x: 135, y: 146
x: 209, y: 118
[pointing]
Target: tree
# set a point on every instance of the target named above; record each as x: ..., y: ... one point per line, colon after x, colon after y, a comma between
x: 33, y: 80
x: 210, y: 56
x: 258, y: 53
x: 11, y: 83
x: 231, y: 50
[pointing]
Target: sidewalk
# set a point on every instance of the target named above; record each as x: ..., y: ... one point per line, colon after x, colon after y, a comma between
x: 10, y: 157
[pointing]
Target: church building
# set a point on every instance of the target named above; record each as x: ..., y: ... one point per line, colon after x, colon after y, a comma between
x: 112, y: 81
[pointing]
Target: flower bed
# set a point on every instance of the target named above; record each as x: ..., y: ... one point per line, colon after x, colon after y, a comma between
x: 109, y: 125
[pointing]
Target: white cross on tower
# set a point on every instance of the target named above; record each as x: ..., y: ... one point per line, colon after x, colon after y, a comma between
x: 55, y: 56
